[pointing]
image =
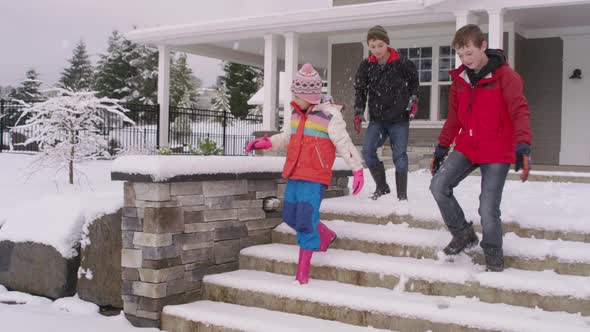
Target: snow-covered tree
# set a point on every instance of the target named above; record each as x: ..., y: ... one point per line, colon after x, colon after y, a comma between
x: 144, y: 84
x: 114, y: 72
x: 79, y: 75
x: 7, y: 91
x: 183, y: 91
x: 67, y: 128
x: 221, y: 99
x: 29, y: 89
x: 242, y: 82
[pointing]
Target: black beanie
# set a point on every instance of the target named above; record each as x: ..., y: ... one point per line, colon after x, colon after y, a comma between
x: 379, y: 33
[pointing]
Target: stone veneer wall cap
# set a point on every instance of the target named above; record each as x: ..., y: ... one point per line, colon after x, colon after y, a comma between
x: 202, y: 168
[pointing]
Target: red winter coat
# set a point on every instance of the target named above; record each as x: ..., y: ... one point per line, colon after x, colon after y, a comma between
x: 488, y: 120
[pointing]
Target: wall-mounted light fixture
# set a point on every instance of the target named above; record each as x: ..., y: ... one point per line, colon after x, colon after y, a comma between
x: 576, y: 75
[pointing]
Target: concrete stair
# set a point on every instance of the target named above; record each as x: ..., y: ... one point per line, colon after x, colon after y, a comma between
x: 389, y: 273
x: 429, y: 277
x: 564, y: 257
x: 508, y: 227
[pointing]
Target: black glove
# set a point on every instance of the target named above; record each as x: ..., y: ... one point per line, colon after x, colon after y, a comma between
x: 523, y: 160
x: 440, y: 153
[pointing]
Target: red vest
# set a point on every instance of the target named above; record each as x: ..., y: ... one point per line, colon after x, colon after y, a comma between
x: 310, y: 153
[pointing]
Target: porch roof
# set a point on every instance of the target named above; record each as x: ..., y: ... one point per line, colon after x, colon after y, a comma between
x: 332, y: 19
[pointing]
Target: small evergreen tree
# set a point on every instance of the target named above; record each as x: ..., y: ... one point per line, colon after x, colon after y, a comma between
x: 242, y: 82
x: 80, y: 74
x: 115, y: 71
x: 183, y: 92
x: 28, y: 91
x: 144, y: 85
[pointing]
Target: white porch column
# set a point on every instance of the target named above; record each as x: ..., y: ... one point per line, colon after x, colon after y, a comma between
x: 496, y: 28
x: 291, y: 66
x: 164, y: 92
x: 462, y: 18
x: 269, y: 107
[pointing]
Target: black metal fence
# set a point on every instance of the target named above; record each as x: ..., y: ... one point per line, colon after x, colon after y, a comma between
x: 189, y: 130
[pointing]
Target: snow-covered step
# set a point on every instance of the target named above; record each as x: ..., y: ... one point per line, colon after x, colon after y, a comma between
x: 547, y: 289
x: 549, y: 176
x: 565, y: 257
x: 381, y: 307
x: 331, y: 207
x: 218, y: 316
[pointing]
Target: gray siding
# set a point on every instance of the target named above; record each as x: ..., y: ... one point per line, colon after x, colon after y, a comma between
x: 345, y: 61
x: 539, y: 61
x: 353, y: 2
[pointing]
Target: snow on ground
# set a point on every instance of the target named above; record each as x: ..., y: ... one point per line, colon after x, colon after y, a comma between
x: 544, y: 205
x: 64, y: 315
x: 42, y: 207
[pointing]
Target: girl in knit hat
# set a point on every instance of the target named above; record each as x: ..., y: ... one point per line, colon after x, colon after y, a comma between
x: 317, y: 132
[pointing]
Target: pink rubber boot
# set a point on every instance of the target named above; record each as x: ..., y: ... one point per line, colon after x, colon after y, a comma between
x: 327, y: 236
x: 303, y: 267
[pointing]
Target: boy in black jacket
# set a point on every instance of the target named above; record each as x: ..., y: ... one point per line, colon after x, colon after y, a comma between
x: 390, y: 82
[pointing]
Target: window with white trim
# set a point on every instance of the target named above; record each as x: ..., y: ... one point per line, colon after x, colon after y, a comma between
x: 422, y: 58
x: 446, y: 62
x: 433, y: 62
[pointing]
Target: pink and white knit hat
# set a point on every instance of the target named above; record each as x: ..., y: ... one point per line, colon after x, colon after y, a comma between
x: 307, y: 84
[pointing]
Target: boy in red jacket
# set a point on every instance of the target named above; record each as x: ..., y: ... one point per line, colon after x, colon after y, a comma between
x: 489, y: 121
x: 317, y: 132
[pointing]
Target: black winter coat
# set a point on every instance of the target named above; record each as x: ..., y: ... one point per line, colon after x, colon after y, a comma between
x: 388, y: 87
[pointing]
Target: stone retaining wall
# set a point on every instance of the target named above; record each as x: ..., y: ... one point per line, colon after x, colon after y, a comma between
x: 177, y: 232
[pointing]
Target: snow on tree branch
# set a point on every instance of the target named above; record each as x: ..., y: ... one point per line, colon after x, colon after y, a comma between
x: 70, y: 128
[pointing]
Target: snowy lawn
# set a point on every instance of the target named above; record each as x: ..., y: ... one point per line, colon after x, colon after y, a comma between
x: 68, y: 314
x: 545, y: 205
x: 42, y: 207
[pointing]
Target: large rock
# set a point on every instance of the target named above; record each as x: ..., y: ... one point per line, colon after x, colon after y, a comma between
x: 37, y: 269
x: 100, y: 268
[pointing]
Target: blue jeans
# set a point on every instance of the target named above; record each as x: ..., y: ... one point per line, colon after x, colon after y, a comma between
x: 493, y: 177
x: 376, y: 134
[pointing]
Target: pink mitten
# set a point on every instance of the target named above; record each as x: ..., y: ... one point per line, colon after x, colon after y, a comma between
x: 358, y: 182
x: 259, y: 143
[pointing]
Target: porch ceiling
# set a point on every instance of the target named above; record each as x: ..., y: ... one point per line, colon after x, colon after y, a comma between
x: 551, y: 17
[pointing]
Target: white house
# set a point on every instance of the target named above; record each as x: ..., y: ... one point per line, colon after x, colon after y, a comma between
x: 546, y: 40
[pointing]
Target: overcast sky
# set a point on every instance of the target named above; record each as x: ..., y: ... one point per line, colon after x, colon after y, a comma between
x: 42, y: 33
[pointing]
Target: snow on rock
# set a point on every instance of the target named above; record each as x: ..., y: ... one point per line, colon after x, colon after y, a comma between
x: 21, y: 298
x: 253, y: 319
x: 3, y: 289
x: 43, y: 208
x: 161, y: 168
x: 459, y: 310
x: 86, y: 273
x: 75, y: 305
x: 554, y: 206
